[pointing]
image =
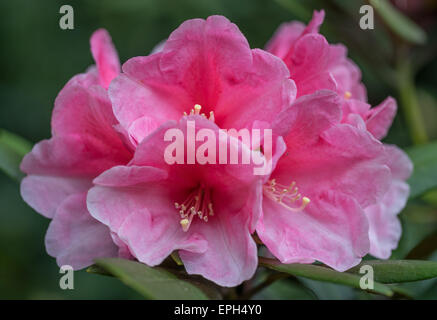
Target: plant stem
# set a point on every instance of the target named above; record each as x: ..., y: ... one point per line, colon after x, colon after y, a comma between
x: 270, y: 279
x: 409, y: 102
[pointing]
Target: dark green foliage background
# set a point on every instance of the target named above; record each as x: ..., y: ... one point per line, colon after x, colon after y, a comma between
x: 37, y: 58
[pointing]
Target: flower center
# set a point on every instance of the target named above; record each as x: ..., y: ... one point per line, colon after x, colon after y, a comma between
x: 347, y: 95
x: 198, y: 203
x: 196, y: 111
x: 287, y: 196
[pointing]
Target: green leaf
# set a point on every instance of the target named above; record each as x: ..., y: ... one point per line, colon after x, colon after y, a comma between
x: 398, y: 22
x: 398, y: 271
x: 320, y: 273
x: 12, y: 150
x: 424, y: 175
x: 152, y: 283
x: 98, y: 270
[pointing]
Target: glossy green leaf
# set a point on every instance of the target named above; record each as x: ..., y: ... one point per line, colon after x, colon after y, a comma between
x: 397, y: 271
x: 398, y: 22
x: 152, y: 283
x: 321, y: 273
x: 424, y: 175
x: 12, y: 150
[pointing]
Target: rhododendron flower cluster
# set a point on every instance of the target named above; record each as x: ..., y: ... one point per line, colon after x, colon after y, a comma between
x: 332, y: 195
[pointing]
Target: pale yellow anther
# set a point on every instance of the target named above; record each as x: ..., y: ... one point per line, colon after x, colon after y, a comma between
x: 197, y: 108
x: 196, y: 111
x: 347, y: 95
x: 185, y: 223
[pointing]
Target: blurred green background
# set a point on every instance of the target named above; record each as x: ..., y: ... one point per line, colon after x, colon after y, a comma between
x: 38, y: 58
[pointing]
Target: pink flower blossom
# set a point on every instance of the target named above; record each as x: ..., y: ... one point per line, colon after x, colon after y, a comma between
x: 207, y: 63
x: 102, y: 178
x: 83, y: 145
x: 329, y: 171
x: 206, y: 67
x: 315, y: 64
x: 206, y: 212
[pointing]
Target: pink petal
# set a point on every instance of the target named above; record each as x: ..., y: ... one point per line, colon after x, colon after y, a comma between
x: 105, y: 56
x: 264, y: 93
x: 122, y: 176
x: 400, y: 165
x: 354, y: 106
x: 72, y: 155
x: 141, y: 128
x: 332, y: 229
x: 283, y: 39
x: 308, y: 117
x: 123, y: 249
x: 75, y: 238
x: 144, y: 218
x: 153, y: 237
x: 91, y: 110
x: 153, y: 97
x: 316, y: 22
x: 231, y: 254
x: 384, y: 226
x: 46, y: 193
x: 112, y: 205
x: 282, y: 42
x: 381, y: 117
x: 309, y: 65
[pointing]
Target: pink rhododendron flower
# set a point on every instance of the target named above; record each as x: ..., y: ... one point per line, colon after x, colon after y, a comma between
x: 83, y: 145
x: 339, y: 168
x: 206, y: 212
x: 207, y: 63
x: 315, y: 64
x: 334, y: 193
x: 205, y: 66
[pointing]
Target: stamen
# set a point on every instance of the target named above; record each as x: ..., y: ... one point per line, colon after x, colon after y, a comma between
x: 347, y: 95
x: 185, y: 224
x: 287, y: 196
x: 197, y: 108
x: 196, y: 111
x: 198, y: 203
